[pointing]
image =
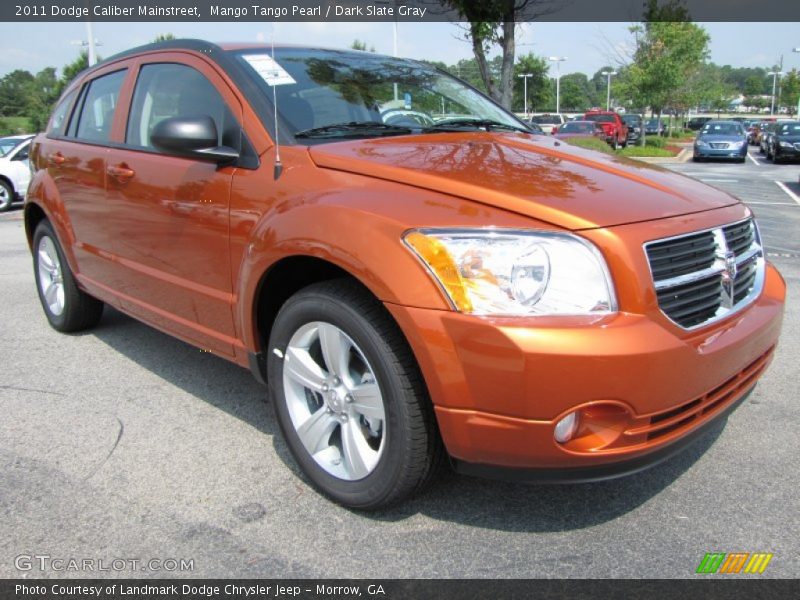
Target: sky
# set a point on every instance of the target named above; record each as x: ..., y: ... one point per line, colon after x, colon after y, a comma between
x: 588, y: 46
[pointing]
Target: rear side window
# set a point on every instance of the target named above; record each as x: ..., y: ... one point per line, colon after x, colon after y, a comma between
x: 58, y: 120
x: 97, y: 109
x: 166, y: 90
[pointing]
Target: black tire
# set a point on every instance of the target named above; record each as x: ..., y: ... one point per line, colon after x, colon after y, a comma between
x: 615, y: 144
x: 6, y: 195
x: 413, y: 451
x: 81, y: 311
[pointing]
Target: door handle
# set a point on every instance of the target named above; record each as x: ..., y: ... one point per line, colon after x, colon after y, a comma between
x: 56, y: 159
x: 121, y: 171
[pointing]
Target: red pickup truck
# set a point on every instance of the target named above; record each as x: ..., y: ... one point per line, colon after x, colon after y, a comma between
x: 615, y: 128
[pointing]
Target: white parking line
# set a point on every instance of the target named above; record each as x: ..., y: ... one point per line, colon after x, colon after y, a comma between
x: 750, y: 156
x: 789, y: 192
x: 710, y: 180
x: 789, y: 204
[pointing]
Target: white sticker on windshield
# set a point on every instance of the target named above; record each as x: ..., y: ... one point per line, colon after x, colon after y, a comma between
x: 269, y: 70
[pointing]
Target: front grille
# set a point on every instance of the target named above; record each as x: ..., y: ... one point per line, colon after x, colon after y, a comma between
x: 701, y: 277
x: 719, y: 145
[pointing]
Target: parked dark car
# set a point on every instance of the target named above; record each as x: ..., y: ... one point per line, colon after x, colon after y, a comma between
x: 654, y: 127
x: 635, y: 125
x: 765, y: 138
x: 580, y: 129
x: 696, y: 123
x: 785, y: 142
x: 721, y: 139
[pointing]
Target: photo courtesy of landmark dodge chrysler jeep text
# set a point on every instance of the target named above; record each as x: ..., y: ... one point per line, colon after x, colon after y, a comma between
x: 415, y: 275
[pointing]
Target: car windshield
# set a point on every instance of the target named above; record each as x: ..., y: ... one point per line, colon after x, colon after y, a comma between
x: 603, y: 118
x: 654, y: 122
x: 8, y: 144
x: 578, y: 127
x: 327, y: 95
x: 635, y: 119
x: 722, y: 129
x: 791, y: 129
x: 546, y: 120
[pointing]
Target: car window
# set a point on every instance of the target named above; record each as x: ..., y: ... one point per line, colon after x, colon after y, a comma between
x: 723, y: 129
x: 793, y: 129
x: 166, y: 90
x: 546, y: 120
x: 603, y: 118
x: 23, y: 153
x: 99, y: 104
x: 8, y: 144
x: 58, y: 120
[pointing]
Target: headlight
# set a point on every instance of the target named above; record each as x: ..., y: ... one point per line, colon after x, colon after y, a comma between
x: 737, y: 144
x: 786, y: 145
x: 503, y: 272
x: 700, y: 144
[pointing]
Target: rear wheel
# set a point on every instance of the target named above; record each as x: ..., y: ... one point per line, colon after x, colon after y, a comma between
x: 349, y: 397
x: 66, y: 306
x: 6, y: 196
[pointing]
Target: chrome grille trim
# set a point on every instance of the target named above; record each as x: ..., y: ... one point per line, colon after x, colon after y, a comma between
x: 733, y: 269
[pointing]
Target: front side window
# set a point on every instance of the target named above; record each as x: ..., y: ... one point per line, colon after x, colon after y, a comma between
x: 348, y: 93
x: 166, y: 90
x: 99, y: 104
x: 58, y: 120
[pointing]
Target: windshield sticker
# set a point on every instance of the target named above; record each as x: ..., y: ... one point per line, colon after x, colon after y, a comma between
x: 269, y: 70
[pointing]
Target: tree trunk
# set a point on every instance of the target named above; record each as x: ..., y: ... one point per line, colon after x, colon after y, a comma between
x: 507, y: 72
x: 480, y: 57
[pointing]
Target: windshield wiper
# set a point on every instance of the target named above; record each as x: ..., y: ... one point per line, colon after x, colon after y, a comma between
x: 352, y: 129
x: 462, y: 124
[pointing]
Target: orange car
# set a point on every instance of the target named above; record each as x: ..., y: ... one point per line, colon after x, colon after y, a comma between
x: 415, y: 275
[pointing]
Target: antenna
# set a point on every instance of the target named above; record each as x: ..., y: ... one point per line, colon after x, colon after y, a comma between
x: 278, y: 169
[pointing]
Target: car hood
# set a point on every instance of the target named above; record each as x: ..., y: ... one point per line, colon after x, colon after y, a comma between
x: 793, y: 139
x: 539, y: 177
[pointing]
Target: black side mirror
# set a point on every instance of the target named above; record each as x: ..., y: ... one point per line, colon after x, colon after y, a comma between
x: 194, y: 136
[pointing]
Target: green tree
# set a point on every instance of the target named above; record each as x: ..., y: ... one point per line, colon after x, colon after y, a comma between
x: 42, y: 93
x: 14, y: 89
x: 791, y: 90
x: 72, y: 70
x: 577, y: 92
x: 538, y: 85
x: 359, y: 45
x: 493, y: 23
x: 164, y: 37
x: 667, y: 55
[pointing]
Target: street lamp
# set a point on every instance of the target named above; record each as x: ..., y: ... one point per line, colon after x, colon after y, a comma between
x: 775, y: 75
x: 524, y: 77
x: 798, y: 99
x: 558, y: 60
x: 608, y: 87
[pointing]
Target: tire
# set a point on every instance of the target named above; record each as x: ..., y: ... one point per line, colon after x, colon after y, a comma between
x: 403, y: 451
x: 615, y: 144
x: 6, y: 195
x: 65, y: 305
x: 697, y: 159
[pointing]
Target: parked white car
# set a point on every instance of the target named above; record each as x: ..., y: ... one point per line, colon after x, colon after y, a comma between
x: 548, y: 121
x: 15, y: 174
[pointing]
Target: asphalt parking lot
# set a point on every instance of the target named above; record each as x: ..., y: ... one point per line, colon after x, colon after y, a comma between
x: 124, y: 443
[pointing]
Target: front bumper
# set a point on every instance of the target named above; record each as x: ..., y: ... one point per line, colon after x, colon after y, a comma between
x: 703, y: 152
x: 500, y: 385
x: 787, y: 153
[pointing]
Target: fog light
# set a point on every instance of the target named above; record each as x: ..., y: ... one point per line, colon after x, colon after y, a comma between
x: 566, y: 428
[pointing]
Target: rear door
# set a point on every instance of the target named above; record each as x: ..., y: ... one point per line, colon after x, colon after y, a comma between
x: 74, y: 155
x: 19, y: 169
x: 168, y: 214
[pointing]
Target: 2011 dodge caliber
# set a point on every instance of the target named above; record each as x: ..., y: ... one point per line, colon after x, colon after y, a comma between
x: 414, y: 274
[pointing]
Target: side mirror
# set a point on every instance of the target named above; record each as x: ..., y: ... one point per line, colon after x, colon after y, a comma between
x: 194, y: 137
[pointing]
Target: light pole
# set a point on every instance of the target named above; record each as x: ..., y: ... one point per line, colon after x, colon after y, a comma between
x: 524, y: 77
x: 558, y: 60
x: 608, y: 74
x: 775, y: 75
x: 797, y: 114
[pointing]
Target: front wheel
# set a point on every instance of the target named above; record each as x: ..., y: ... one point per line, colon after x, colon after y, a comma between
x: 349, y: 397
x: 65, y: 305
